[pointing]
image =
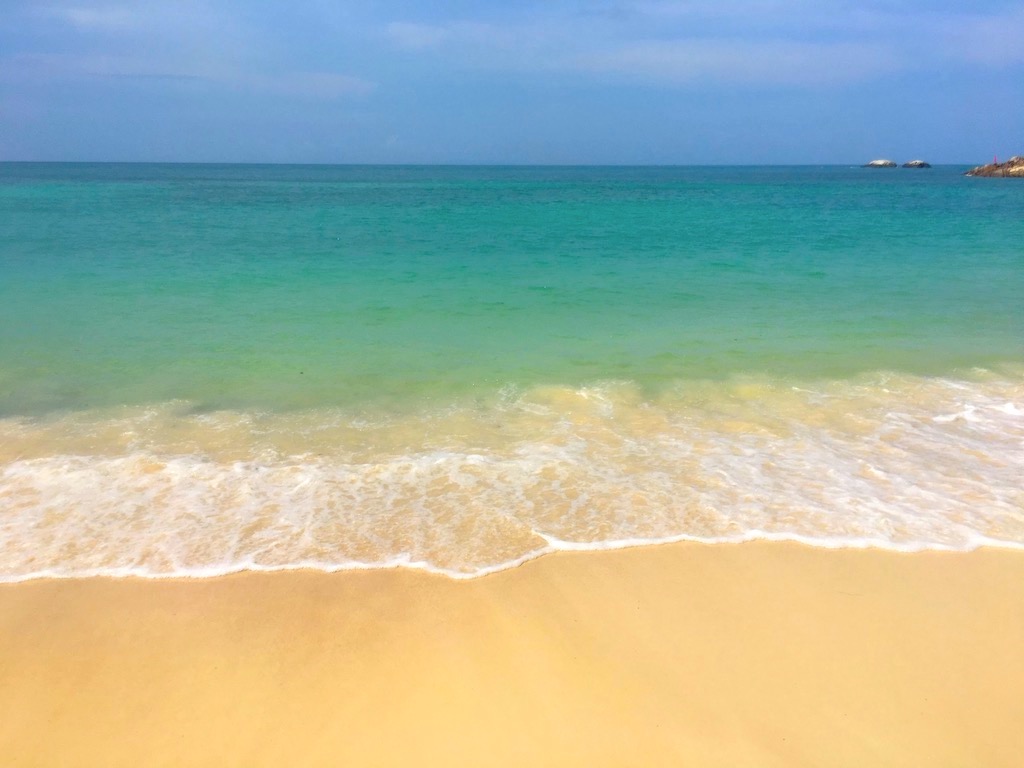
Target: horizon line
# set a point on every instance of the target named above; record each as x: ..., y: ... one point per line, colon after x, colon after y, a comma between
x: 458, y: 164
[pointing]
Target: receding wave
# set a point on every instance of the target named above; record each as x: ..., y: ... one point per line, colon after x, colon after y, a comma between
x: 887, y: 460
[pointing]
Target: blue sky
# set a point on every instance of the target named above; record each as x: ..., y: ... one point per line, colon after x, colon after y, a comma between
x: 633, y: 81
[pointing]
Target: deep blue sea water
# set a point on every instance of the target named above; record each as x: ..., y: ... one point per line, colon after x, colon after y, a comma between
x: 205, y: 368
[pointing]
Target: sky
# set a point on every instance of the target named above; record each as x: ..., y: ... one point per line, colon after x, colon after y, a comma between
x: 554, y: 82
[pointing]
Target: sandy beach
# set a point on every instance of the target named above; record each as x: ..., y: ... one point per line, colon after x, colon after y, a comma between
x: 758, y: 654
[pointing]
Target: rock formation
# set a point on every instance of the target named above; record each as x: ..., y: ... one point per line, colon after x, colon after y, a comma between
x: 917, y: 164
x: 1012, y: 167
x: 880, y: 164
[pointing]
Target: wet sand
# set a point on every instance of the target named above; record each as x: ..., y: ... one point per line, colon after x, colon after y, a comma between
x: 758, y: 654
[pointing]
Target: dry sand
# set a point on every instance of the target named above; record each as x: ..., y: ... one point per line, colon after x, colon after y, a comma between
x: 748, y: 655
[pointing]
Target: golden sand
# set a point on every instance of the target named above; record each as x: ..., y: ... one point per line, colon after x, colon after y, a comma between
x: 748, y: 655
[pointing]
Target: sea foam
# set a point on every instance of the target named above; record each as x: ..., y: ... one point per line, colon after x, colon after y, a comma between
x: 898, y: 462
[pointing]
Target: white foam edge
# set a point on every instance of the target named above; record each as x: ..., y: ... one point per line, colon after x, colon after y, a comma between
x: 554, y: 544
x: 975, y: 542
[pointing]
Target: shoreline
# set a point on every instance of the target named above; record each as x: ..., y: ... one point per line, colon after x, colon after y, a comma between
x: 128, y: 573
x: 760, y: 653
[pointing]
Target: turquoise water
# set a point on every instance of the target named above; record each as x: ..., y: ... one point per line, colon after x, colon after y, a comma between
x: 223, y: 285
x: 388, y: 329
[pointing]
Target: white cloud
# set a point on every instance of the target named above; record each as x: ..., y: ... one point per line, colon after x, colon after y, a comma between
x: 416, y: 36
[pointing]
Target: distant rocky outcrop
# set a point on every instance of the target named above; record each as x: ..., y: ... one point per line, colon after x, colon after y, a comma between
x: 917, y: 164
x: 1014, y: 167
x: 881, y: 164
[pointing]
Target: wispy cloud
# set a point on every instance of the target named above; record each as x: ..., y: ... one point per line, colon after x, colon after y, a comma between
x: 795, y: 42
x: 164, y: 17
x: 417, y: 37
x: 115, y: 18
x: 991, y: 40
x: 739, y: 61
x: 36, y: 68
x: 184, y: 40
x: 476, y: 37
x: 40, y: 67
x: 530, y: 79
x: 317, y: 85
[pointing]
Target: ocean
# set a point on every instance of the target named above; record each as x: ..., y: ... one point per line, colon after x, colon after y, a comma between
x: 213, y: 368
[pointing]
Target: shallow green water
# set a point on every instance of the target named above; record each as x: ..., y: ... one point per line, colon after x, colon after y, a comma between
x: 283, y: 287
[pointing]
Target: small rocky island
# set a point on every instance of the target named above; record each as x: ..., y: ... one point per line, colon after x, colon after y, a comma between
x: 892, y: 164
x: 1014, y: 167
